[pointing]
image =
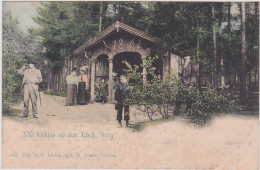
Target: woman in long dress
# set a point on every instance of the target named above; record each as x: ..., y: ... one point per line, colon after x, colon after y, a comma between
x: 72, y: 83
x: 83, y: 85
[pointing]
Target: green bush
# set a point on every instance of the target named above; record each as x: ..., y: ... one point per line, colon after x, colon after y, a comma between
x: 157, y: 96
x: 12, y: 81
x: 161, y: 96
x: 6, y: 109
x: 205, y: 104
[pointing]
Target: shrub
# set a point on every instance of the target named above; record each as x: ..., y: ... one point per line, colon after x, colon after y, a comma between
x: 205, y: 104
x: 6, y: 108
x: 11, y: 91
x: 160, y: 96
x: 155, y: 97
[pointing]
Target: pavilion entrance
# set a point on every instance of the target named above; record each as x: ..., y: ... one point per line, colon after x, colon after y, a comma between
x: 132, y: 58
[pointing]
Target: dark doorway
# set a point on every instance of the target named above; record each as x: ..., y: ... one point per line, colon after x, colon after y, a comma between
x: 131, y: 57
x: 101, y: 68
x: 158, y: 64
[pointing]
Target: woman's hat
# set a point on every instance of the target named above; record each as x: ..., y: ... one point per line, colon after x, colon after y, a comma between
x: 83, y: 68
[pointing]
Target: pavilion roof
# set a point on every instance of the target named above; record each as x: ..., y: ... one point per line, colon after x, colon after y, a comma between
x: 116, y: 26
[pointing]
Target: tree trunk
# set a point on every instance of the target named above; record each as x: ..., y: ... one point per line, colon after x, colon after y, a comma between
x: 257, y: 7
x: 100, y: 16
x: 49, y: 80
x: 119, y: 12
x: 249, y: 80
x: 229, y: 18
x: 243, y: 90
x: 197, y: 58
x: 57, y: 81
x: 228, y: 69
x: 52, y: 82
x: 222, y: 73
x: 215, y: 78
x: 60, y: 88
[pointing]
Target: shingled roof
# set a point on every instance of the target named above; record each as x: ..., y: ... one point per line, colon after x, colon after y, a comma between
x: 116, y: 26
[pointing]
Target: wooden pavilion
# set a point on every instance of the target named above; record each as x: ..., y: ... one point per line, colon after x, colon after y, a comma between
x: 103, y: 55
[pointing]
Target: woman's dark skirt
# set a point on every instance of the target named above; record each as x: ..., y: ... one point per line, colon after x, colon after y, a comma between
x: 82, y: 93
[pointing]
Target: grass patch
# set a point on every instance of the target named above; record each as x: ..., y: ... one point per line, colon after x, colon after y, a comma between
x: 11, y: 112
x: 244, y: 113
x: 57, y: 93
x: 15, y: 112
x: 142, y: 125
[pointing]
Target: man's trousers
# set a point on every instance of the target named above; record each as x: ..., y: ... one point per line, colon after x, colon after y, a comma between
x: 120, y: 108
x: 30, y: 92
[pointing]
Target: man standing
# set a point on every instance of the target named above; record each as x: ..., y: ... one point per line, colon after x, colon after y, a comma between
x: 31, y: 79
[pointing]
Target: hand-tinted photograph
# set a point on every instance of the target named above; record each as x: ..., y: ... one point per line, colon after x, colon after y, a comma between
x: 130, y: 85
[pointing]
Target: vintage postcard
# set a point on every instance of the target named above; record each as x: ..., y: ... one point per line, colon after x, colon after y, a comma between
x: 130, y: 85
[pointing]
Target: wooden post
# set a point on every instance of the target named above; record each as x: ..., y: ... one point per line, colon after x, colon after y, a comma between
x: 110, y: 80
x: 89, y: 76
x: 144, y: 69
x: 92, y: 85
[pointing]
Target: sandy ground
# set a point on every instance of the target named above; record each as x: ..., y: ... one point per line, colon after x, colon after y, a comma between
x: 229, y: 142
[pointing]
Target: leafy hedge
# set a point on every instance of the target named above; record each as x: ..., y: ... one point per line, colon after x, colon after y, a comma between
x: 11, y: 91
x: 155, y: 97
x: 165, y: 96
x: 202, y: 105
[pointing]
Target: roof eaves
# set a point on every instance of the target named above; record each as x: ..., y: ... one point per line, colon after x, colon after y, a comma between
x: 110, y: 29
x: 95, y: 39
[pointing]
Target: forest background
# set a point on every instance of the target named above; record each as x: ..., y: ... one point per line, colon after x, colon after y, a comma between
x: 208, y: 32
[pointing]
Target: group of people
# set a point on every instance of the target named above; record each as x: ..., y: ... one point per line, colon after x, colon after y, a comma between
x: 80, y: 82
x: 77, y: 87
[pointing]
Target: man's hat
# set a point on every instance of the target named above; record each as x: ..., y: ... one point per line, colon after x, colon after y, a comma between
x: 31, y: 61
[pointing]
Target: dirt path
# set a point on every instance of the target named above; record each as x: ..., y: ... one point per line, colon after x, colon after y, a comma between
x: 53, y: 109
x: 228, y: 142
